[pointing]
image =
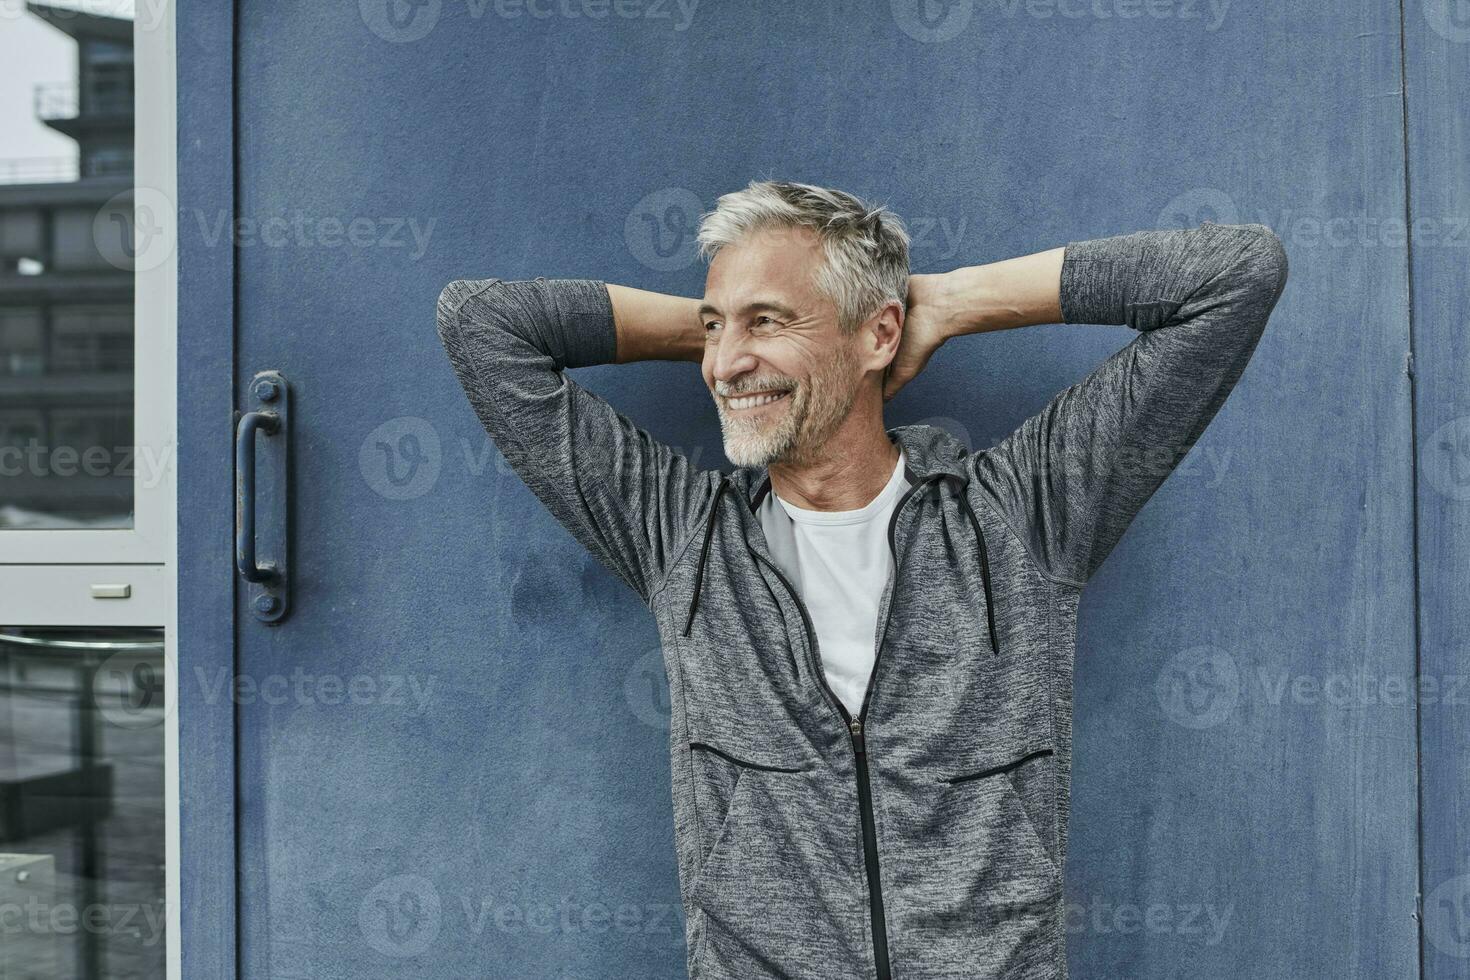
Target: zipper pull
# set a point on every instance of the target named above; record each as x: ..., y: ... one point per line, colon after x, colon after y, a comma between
x: 857, y: 736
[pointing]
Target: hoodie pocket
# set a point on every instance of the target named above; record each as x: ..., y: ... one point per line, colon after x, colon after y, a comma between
x: 1023, y: 798
x: 719, y: 776
x: 747, y: 906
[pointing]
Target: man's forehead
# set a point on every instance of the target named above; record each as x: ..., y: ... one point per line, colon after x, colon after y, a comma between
x: 772, y: 269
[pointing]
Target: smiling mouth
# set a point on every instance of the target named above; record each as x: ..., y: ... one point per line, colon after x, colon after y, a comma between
x: 745, y: 403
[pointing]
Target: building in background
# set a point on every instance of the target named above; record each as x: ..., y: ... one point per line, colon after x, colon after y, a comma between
x: 66, y: 295
x: 82, y: 715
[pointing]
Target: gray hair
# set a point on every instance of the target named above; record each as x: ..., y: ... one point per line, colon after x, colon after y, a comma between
x: 866, y: 247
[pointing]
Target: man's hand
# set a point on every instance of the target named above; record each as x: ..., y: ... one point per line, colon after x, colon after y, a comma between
x: 1017, y: 292
x: 927, y: 324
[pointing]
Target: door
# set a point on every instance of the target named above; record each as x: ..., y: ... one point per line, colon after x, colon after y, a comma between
x: 88, y: 748
x: 443, y: 753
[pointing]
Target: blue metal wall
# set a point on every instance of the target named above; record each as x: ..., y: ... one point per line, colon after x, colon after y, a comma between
x: 1247, y: 796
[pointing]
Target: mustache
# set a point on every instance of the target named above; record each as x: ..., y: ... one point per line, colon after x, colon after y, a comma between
x: 750, y: 389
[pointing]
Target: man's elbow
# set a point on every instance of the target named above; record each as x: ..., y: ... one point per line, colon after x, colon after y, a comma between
x: 1265, y: 261
x: 451, y: 299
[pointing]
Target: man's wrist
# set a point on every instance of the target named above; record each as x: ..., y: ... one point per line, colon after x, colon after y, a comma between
x: 968, y: 301
x: 1018, y: 292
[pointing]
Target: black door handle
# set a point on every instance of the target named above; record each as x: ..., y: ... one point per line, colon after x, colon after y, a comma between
x: 268, y: 595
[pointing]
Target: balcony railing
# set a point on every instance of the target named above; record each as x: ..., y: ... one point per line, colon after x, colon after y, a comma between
x: 38, y: 170
x: 59, y: 170
x: 56, y: 101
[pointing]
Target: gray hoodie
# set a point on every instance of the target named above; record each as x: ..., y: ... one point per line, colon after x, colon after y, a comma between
x: 926, y: 836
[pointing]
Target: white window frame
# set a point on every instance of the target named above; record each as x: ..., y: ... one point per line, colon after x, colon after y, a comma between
x: 155, y: 180
x: 47, y: 576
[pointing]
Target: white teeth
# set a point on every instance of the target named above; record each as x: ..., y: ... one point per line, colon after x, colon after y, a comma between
x: 751, y: 401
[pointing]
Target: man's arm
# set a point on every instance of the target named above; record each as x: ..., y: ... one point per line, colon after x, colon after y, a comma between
x: 655, y: 326
x: 1071, y: 478
x: 622, y: 494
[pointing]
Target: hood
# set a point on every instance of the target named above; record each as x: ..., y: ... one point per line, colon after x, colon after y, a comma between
x: 931, y: 455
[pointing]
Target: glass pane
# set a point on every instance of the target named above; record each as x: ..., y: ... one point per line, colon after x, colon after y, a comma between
x: 67, y: 258
x: 82, y: 718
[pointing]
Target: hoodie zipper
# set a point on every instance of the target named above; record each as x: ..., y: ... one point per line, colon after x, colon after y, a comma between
x: 855, y: 728
x: 865, y: 794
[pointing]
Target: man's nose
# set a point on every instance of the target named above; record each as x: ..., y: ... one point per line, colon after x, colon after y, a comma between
x: 733, y: 356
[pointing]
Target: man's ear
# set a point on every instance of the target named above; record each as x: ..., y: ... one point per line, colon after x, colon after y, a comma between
x: 883, y: 333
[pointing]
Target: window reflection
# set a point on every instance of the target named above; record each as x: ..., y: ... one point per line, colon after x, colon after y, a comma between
x: 82, y: 718
x: 66, y: 277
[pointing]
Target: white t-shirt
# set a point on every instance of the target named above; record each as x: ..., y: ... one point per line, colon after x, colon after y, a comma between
x: 839, y: 563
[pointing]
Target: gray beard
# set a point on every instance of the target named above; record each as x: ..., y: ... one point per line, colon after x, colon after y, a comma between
x: 815, y: 409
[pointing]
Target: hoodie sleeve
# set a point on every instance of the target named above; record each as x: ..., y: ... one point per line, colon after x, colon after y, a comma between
x: 623, y: 495
x: 1071, y: 478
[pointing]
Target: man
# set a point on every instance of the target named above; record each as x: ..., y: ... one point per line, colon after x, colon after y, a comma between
x: 869, y: 632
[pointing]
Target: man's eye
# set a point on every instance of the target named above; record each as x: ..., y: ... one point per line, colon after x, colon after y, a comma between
x: 711, y: 325
x: 760, y: 318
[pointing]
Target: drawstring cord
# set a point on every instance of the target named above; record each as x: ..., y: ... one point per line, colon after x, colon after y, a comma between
x: 984, y: 564
x: 709, y: 532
